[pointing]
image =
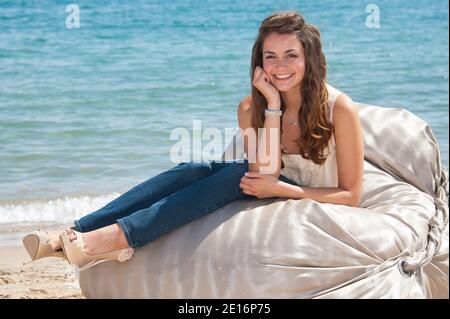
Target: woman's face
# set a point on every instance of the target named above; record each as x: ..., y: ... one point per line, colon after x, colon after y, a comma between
x: 283, y: 56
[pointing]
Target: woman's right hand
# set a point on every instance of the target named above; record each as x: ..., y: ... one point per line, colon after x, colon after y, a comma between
x: 262, y: 82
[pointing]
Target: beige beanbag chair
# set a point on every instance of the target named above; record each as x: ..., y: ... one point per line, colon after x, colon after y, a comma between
x: 394, y: 245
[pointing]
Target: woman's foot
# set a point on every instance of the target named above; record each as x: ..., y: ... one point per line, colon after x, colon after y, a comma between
x: 102, y: 240
x: 95, y: 247
x: 54, y: 240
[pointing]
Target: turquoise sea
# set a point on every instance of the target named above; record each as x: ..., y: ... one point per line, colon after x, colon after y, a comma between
x: 86, y: 113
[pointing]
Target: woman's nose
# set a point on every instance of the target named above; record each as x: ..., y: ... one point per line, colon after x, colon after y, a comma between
x: 281, y: 61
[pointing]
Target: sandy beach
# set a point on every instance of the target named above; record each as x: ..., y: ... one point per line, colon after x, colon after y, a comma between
x: 42, y: 279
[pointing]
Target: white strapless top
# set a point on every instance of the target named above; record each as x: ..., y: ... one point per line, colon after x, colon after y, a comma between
x: 307, y: 173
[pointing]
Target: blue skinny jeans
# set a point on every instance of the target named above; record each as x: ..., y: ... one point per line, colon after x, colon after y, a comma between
x: 171, y: 199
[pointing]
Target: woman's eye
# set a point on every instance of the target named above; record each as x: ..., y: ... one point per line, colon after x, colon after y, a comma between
x: 289, y: 56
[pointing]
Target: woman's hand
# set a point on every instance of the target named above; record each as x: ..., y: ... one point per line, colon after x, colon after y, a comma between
x: 262, y: 82
x: 259, y: 185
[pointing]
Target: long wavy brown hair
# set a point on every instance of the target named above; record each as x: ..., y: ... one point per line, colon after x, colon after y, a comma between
x: 313, y: 116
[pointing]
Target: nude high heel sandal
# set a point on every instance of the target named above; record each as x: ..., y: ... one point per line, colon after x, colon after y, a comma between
x: 76, y: 255
x: 38, y: 246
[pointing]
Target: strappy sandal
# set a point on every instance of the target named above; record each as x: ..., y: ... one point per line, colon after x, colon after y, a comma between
x: 38, y: 246
x: 76, y: 256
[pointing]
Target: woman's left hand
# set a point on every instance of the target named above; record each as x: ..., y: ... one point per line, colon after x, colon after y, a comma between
x: 259, y: 185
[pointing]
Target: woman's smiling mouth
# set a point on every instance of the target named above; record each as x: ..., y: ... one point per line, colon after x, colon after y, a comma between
x: 283, y: 76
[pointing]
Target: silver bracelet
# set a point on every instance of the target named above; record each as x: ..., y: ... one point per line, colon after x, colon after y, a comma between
x: 272, y: 112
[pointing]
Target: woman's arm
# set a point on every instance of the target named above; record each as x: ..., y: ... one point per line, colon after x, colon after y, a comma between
x: 350, y: 160
x: 245, y: 114
x: 349, y: 156
x: 264, y: 154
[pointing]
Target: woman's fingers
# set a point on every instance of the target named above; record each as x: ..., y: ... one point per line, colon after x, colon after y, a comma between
x: 246, y: 180
x: 248, y: 192
x: 262, y: 82
x: 244, y: 186
x: 259, y: 75
x: 252, y: 174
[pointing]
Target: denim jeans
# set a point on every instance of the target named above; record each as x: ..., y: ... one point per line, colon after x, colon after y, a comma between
x: 171, y: 199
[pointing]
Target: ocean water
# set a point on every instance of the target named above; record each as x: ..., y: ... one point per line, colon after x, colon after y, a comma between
x: 86, y: 113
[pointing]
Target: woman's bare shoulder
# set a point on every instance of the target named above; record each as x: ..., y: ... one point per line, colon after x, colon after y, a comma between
x: 245, y: 112
x: 246, y: 103
x: 344, y: 103
x: 345, y: 111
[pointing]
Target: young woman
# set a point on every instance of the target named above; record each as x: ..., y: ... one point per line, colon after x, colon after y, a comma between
x: 317, y: 153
